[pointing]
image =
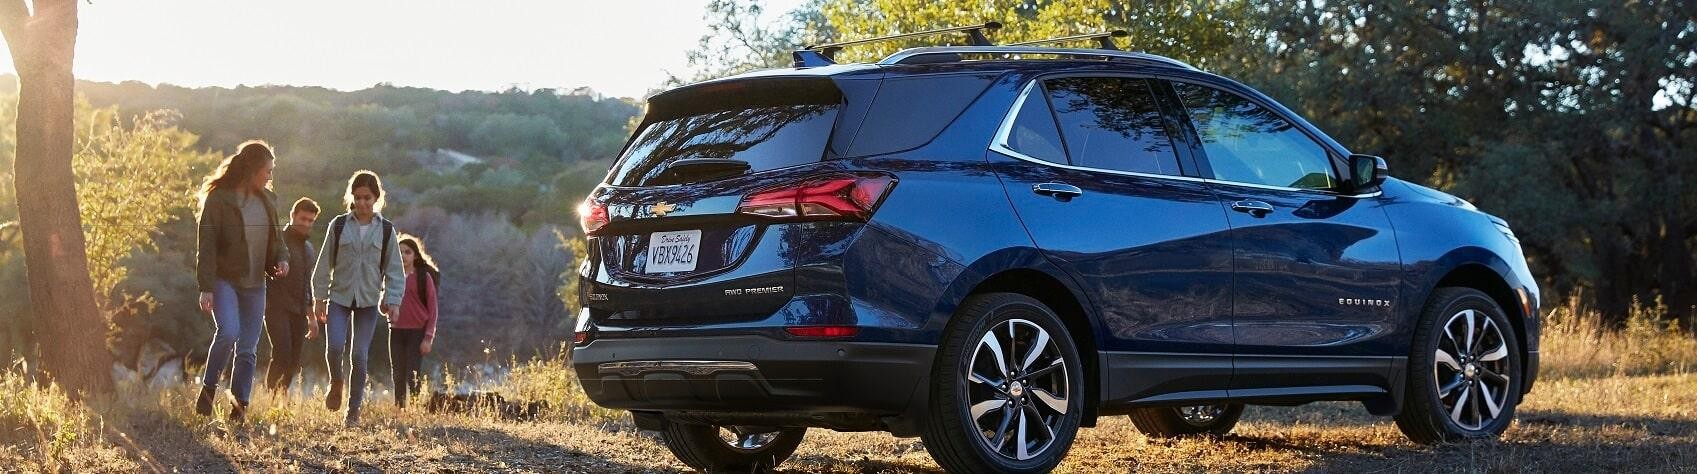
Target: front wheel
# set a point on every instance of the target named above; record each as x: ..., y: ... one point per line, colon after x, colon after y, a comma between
x: 713, y: 448
x: 1464, y: 372
x: 1009, y: 390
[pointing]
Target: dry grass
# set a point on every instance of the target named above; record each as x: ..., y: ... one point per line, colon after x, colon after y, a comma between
x: 1620, y: 400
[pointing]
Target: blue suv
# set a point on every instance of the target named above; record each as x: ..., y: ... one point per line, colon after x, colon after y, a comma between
x: 989, y: 247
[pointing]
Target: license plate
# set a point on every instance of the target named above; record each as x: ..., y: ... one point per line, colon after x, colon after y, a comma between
x: 670, y: 252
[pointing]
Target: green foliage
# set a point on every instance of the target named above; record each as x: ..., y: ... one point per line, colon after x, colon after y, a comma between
x: 132, y: 178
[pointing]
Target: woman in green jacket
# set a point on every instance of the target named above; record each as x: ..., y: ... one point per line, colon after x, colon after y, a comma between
x: 359, y: 272
x: 239, y: 245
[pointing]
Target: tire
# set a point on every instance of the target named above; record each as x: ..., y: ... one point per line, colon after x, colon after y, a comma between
x: 705, y: 448
x: 1187, y: 421
x: 1473, y: 369
x: 970, y: 376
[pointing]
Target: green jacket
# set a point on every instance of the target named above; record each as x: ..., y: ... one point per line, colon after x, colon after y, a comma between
x: 355, y: 281
x: 222, y: 249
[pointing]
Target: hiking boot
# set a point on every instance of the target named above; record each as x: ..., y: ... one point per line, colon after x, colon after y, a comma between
x: 352, y: 420
x: 238, y: 412
x: 334, y: 401
x: 203, y: 406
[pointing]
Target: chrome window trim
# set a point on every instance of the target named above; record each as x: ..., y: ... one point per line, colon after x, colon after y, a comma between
x: 1000, y: 145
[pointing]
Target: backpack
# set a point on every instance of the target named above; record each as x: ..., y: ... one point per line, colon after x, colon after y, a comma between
x: 435, y: 284
x: 341, y: 222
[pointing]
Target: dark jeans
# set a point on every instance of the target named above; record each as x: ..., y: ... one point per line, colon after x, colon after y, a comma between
x: 288, y: 335
x: 404, y: 356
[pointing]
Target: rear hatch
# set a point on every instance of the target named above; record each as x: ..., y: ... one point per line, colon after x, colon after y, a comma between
x: 679, y: 234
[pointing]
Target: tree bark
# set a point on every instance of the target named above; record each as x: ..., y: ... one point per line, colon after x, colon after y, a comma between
x: 72, y: 329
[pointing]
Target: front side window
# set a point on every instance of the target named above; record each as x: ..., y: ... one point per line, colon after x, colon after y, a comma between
x: 1112, y: 123
x: 1247, y: 143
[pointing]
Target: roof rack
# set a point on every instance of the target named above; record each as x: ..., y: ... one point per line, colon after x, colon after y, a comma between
x: 825, y: 54
x: 1106, y: 39
x: 920, y: 55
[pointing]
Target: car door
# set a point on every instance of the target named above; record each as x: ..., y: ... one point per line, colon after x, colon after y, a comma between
x: 1316, y: 270
x: 1107, y: 198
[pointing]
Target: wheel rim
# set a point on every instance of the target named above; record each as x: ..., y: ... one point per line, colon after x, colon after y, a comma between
x: 1201, y: 415
x: 744, y: 439
x: 1471, y: 368
x: 1017, y: 389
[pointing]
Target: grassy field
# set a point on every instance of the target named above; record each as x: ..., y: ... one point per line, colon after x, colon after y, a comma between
x: 1608, y: 400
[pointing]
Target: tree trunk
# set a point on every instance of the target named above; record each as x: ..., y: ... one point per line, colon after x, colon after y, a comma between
x: 72, y: 330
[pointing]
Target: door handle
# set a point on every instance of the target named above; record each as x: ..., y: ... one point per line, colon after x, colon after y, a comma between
x: 1061, y: 191
x: 1253, y: 208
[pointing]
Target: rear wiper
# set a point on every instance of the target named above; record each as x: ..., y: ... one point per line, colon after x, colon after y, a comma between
x: 679, y: 171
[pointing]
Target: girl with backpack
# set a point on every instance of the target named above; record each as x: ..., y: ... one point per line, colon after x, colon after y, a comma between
x: 359, y: 272
x: 412, y: 334
x: 239, y: 246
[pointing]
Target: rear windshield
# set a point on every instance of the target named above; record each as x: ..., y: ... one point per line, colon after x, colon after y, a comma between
x: 768, y: 126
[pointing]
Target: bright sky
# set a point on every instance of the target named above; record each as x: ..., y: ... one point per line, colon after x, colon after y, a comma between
x: 620, y: 48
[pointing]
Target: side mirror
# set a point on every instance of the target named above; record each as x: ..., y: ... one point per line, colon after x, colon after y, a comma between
x: 1367, y: 171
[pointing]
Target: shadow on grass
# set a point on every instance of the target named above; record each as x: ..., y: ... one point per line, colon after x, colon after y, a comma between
x: 164, y: 445
x: 492, y: 450
x: 1541, y: 440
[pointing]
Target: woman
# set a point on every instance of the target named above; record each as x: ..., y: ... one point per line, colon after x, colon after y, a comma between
x: 412, y: 334
x: 359, y: 271
x: 239, y: 244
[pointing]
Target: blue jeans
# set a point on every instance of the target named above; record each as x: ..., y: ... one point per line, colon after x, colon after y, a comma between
x: 239, y: 314
x: 363, y: 326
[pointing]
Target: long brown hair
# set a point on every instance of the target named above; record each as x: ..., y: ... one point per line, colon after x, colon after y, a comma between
x: 423, y: 264
x: 238, y: 168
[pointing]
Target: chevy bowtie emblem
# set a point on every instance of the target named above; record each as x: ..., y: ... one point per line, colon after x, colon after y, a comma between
x: 660, y: 209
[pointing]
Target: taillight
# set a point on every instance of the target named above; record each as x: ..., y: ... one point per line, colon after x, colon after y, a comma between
x: 832, y: 196
x: 592, y: 215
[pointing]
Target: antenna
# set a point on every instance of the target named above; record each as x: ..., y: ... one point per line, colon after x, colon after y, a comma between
x: 810, y: 55
x: 1105, y: 39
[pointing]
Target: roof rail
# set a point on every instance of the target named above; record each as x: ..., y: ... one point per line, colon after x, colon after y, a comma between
x: 1106, y: 39
x: 825, y: 54
x: 916, y: 55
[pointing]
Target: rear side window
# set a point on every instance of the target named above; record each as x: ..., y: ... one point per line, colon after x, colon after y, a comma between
x: 910, y: 111
x: 1113, y: 123
x: 1248, y: 143
x: 767, y: 126
x: 1033, y: 133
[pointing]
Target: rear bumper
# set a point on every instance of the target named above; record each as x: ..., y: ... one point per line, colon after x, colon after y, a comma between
x: 834, y: 384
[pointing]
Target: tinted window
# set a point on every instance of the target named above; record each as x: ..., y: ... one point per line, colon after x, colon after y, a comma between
x: 765, y: 136
x: 1112, y: 123
x: 1033, y: 133
x: 1248, y: 143
x: 909, y: 112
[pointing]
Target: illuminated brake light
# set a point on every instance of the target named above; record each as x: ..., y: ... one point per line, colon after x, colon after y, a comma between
x: 592, y: 215
x: 822, y: 331
x: 834, y: 196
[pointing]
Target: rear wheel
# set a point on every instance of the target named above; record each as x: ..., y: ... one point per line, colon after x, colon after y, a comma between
x: 714, y: 448
x: 1009, y: 388
x: 1463, y: 372
x: 1174, y: 422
